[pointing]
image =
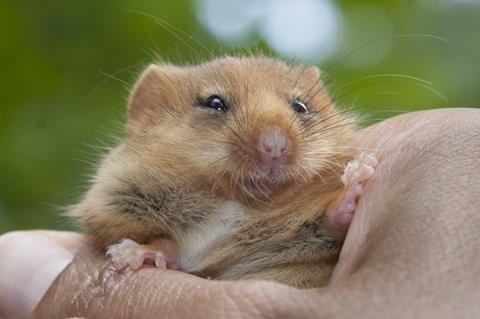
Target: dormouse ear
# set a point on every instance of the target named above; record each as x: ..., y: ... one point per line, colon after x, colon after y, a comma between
x: 312, y: 72
x: 149, y: 94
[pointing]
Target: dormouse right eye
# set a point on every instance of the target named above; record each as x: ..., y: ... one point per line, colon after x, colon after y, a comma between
x: 216, y: 102
x: 300, y: 107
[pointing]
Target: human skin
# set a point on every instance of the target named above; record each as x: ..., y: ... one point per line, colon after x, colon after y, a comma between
x: 412, y: 250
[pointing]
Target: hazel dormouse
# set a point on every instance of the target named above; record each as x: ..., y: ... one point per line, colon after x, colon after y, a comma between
x: 237, y: 168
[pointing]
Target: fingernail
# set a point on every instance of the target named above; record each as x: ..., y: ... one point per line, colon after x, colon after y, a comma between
x: 29, y: 264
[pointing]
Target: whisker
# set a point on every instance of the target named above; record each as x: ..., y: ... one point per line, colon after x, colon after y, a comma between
x: 175, y: 31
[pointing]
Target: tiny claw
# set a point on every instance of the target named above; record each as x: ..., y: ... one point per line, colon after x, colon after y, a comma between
x: 160, y: 261
x: 372, y: 159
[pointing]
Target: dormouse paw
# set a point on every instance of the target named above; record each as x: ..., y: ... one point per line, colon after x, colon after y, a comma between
x: 354, y: 176
x: 359, y: 169
x: 128, y: 253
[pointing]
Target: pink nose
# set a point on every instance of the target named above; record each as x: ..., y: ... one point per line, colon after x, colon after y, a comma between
x: 273, y: 145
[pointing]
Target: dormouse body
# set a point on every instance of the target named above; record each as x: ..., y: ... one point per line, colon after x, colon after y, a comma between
x: 235, y: 165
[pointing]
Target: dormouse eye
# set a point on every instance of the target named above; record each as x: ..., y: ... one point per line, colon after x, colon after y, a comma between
x: 216, y: 102
x: 299, y: 107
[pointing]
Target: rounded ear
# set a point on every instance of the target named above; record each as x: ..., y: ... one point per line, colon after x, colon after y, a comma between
x: 148, y: 95
x: 313, y: 72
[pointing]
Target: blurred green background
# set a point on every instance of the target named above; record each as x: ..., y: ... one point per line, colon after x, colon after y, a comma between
x: 66, y: 67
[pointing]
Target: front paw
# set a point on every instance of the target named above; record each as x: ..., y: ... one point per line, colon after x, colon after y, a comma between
x: 128, y: 253
x: 356, y: 173
x: 359, y: 169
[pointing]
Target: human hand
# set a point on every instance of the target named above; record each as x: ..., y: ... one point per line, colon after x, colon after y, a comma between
x: 412, y: 249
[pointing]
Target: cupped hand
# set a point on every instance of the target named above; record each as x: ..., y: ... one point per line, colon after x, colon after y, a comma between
x: 412, y: 250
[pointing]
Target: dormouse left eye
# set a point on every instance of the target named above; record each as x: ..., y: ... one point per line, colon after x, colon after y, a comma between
x: 300, y: 107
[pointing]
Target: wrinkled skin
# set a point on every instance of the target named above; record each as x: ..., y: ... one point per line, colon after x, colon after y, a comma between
x: 412, y: 251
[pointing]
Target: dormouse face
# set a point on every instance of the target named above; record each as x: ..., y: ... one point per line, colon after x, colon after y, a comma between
x: 252, y: 124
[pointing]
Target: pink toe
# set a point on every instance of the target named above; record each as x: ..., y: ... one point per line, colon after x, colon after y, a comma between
x: 343, y: 219
x: 358, y: 190
x: 119, y: 264
x: 366, y: 172
x: 136, y: 263
x: 347, y: 208
x: 172, y: 263
x: 160, y: 261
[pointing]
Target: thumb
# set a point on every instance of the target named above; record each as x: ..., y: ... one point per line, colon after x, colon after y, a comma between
x: 29, y: 264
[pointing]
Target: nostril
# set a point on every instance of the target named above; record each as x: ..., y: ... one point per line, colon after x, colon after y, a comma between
x: 268, y: 143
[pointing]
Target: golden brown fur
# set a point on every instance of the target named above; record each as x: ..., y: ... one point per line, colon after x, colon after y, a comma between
x: 190, y: 173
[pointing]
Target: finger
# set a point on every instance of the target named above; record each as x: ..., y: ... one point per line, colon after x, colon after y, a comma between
x: 90, y: 287
x: 413, y: 243
x: 423, y: 151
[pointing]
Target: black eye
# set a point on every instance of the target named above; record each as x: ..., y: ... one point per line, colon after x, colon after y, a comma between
x: 299, y: 107
x: 216, y: 102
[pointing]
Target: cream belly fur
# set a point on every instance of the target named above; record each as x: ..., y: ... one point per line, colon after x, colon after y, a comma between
x: 192, y: 249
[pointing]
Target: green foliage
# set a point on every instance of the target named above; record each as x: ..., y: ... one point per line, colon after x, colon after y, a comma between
x: 67, y: 67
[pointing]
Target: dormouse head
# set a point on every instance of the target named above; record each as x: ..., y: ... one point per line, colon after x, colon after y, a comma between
x: 252, y: 124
